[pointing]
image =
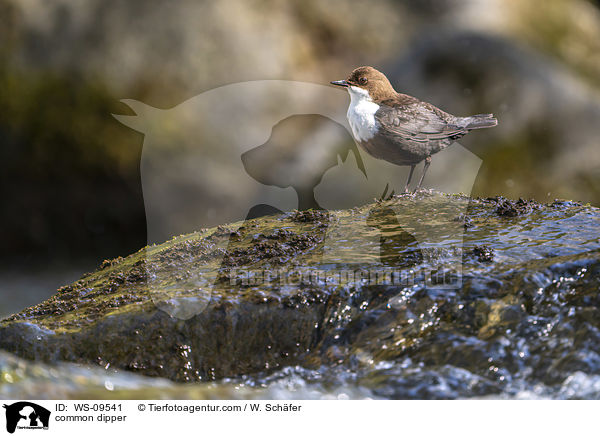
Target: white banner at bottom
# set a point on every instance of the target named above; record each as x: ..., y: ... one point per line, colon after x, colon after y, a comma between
x: 260, y: 417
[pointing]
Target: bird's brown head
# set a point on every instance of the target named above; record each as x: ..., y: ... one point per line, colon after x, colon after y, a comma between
x: 371, y: 80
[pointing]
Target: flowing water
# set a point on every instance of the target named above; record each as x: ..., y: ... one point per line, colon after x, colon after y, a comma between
x: 519, y: 318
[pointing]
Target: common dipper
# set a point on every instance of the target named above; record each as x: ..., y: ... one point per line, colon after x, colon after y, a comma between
x: 399, y: 128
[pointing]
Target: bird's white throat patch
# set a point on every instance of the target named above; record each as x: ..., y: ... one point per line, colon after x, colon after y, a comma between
x: 361, y: 114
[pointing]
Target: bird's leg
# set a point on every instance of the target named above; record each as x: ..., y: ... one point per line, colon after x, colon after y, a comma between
x: 427, y: 163
x: 412, y: 169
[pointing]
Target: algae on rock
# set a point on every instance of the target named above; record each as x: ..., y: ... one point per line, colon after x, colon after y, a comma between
x: 528, y: 314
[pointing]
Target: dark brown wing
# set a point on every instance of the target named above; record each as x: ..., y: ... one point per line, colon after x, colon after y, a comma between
x: 417, y: 121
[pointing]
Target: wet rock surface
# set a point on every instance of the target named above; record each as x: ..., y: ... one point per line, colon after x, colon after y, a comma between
x: 509, y: 208
x: 522, y: 319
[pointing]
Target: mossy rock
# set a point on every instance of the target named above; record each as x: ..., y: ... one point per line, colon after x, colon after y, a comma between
x: 544, y: 271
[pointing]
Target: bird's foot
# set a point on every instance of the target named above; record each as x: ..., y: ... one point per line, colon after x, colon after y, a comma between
x: 421, y: 190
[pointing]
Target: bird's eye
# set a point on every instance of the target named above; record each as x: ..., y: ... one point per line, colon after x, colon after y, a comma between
x: 362, y: 80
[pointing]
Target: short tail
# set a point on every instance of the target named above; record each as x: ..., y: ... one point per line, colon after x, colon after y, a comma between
x: 480, y: 121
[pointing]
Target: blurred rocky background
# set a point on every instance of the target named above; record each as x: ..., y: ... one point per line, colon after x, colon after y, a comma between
x: 70, y: 172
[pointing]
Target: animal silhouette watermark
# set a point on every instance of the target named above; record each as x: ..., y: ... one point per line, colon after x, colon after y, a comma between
x: 26, y: 415
x: 254, y: 149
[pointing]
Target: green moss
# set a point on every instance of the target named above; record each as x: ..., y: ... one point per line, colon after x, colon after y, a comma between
x: 113, y: 317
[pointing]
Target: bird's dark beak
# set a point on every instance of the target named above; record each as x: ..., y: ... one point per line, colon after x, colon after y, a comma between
x: 340, y: 83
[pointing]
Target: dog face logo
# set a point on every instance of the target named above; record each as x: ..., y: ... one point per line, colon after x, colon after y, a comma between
x: 251, y: 149
x: 26, y: 415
